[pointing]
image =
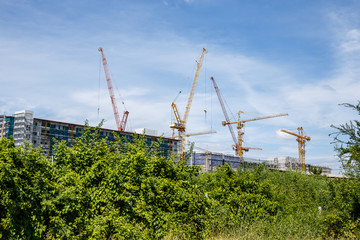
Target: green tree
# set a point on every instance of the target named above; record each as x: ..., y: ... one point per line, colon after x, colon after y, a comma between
x: 316, y: 170
x: 124, y: 190
x: 26, y: 189
x: 347, y: 143
x: 345, y: 193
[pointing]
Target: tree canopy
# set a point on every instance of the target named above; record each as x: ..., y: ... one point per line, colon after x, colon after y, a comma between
x: 126, y: 190
x: 347, y: 143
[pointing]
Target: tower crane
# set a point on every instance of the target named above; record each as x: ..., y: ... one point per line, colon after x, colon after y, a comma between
x: 237, y: 142
x: 176, y: 121
x: 240, y: 124
x: 301, y: 139
x: 217, y: 90
x: 121, y: 124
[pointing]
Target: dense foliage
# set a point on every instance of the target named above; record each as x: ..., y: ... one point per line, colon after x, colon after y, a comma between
x: 123, y: 190
x: 347, y: 143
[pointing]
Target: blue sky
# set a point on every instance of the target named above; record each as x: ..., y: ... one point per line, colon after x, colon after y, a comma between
x: 268, y: 57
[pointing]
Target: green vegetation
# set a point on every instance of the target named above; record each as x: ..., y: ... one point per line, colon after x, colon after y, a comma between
x: 347, y: 143
x: 123, y: 190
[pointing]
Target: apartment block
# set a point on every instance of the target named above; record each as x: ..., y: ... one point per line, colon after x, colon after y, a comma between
x: 22, y: 126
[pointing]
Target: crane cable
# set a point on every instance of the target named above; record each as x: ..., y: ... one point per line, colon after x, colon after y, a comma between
x: 121, y: 99
x: 176, y: 97
x: 211, y: 108
x: 205, y: 110
x: 118, y: 92
x: 98, y: 106
x: 227, y: 105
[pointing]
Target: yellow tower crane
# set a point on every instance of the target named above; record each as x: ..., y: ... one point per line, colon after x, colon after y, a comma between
x: 176, y: 121
x: 301, y: 139
x: 240, y: 124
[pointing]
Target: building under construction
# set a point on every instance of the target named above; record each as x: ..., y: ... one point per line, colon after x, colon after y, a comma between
x: 209, y: 161
x: 42, y: 132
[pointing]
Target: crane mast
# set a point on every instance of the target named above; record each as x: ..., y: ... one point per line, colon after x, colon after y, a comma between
x: 301, y: 139
x: 217, y: 90
x: 121, y: 124
x: 193, y: 87
x: 180, y: 124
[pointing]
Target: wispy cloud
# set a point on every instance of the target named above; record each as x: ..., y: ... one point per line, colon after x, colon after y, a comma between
x: 50, y: 64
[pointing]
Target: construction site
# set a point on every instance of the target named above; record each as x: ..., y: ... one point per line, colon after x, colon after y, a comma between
x: 22, y: 126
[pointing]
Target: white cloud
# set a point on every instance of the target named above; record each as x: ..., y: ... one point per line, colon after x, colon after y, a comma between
x: 352, y: 41
x: 57, y: 73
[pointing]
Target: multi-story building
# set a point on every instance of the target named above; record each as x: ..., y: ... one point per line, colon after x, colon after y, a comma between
x: 22, y: 126
x: 210, y: 161
x: 6, y: 126
x: 291, y: 163
x: 41, y: 132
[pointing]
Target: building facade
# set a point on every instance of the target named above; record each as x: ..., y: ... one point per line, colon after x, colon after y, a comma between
x: 22, y: 126
x: 291, y: 163
x: 209, y: 161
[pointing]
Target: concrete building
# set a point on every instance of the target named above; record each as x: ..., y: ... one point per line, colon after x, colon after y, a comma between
x: 42, y: 132
x: 291, y: 163
x: 285, y: 163
x: 209, y: 161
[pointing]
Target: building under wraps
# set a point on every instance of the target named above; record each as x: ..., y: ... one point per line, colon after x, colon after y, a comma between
x: 42, y: 132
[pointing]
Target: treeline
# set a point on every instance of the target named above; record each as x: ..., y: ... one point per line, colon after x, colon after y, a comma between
x: 127, y: 190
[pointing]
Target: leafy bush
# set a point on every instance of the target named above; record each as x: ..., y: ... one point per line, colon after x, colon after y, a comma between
x: 27, y: 186
x: 127, y: 190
